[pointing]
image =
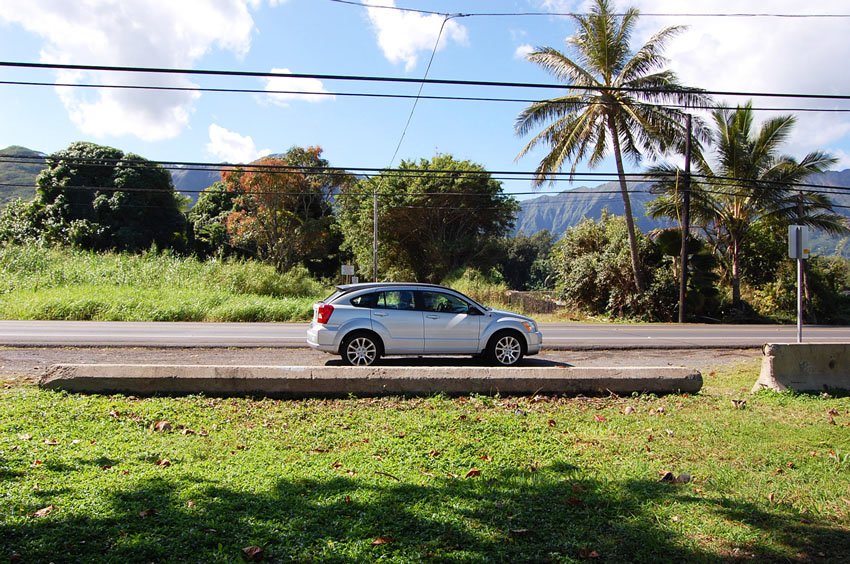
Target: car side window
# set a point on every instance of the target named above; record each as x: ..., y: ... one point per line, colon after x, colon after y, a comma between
x: 395, y: 299
x: 366, y: 300
x: 442, y: 303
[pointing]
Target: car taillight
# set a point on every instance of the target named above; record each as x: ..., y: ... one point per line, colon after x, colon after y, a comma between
x: 324, y: 313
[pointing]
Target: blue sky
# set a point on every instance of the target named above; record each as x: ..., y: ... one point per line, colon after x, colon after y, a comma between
x: 325, y: 37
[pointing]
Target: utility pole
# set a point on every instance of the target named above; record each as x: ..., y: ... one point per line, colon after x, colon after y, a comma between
x: 375, y: 234
x: 686, y: 223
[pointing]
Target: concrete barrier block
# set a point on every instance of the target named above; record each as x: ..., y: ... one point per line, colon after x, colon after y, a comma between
x: 805, y: 367
x: 302, y: 381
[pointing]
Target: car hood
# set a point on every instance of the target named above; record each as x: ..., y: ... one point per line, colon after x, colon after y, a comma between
x: 501, y: 313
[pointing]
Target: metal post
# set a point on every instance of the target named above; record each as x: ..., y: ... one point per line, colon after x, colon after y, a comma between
x: 375, y: 235
x: 800, y: 268
x: 799, y: 291
x: 686, y: 224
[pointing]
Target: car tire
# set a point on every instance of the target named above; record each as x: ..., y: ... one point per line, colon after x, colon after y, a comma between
x: 360, y: 349
x: 505, y: 348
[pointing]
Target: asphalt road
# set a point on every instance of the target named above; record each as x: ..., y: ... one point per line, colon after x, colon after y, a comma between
x: 573, y: 336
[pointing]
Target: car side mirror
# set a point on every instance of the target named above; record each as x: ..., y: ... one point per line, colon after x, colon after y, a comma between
x: 474, y: 311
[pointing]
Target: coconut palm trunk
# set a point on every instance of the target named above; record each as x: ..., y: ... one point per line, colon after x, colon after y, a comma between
x: 637, y: 269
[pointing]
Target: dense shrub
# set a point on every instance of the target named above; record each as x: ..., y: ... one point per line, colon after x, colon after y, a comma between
x: 594, y: 274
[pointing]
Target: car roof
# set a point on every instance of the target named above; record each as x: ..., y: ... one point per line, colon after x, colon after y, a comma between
x: 348, y: 288
x: 364, y: 285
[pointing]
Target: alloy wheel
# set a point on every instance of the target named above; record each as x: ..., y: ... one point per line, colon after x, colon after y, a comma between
x: 361, y: 351
x: 507, y: 350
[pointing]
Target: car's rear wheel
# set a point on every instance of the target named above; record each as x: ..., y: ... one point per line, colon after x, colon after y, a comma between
x: 505, y: 349
x: 360, y: 349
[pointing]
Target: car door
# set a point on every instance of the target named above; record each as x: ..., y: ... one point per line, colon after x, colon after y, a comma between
x: 395, y: 317
x: 449, y: 326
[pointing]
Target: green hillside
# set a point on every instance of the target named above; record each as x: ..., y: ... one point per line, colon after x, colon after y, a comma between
x: 17, y: 176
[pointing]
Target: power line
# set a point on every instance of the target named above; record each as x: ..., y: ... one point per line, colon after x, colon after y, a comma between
x: 645, y: 176
x: 421, y: 86
x: 509, y: 176
x: 402, y: 80
x: 574, y: 14
x: 397, y: 96
x: 721, y: 182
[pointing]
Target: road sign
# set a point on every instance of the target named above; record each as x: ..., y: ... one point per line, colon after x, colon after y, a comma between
x: 798, y: 242
x: 348, y: 270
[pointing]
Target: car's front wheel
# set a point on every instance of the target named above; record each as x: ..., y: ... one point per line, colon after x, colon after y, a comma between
x: 360, y: 349
x: 505, y: 349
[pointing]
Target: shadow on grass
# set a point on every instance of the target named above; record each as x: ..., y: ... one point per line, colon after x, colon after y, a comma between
x: 543, y: 516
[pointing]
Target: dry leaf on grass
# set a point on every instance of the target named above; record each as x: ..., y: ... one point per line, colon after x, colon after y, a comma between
x: 382, y: 540
x: 161, y: 426
x: 473, y: 473
x: 43, y: 512
x: 253, y: 553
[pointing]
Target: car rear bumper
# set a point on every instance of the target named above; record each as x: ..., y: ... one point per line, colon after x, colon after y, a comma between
x: 322, y: 338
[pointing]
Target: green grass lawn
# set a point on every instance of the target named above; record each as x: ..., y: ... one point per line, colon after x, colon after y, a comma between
x: 475, y: 479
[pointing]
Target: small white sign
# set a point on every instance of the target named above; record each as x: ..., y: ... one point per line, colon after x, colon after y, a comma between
x: 355, y: 280
x: 798, y: 242
x: 348, y: 270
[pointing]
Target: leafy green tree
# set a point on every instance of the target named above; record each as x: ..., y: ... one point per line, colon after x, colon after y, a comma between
x: 703, y: 297
x: 524, y: 265
x: 208, y: 220
x: 615, y: 103
x: 434, y: 216
x: 100, y: 198
x: 282, y: 209
x: 748, y: 187
x: 592, y: 265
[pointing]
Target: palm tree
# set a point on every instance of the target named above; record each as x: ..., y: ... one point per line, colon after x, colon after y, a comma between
x: 614, y: 103
x: 748, y: 183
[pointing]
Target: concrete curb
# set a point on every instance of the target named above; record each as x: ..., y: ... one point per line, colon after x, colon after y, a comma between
x: 333, y: 381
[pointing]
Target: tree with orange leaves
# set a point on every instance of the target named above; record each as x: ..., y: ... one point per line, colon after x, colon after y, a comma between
x: 283, y: 212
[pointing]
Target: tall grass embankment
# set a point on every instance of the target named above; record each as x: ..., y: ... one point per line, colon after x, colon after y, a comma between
x: 66, y: 284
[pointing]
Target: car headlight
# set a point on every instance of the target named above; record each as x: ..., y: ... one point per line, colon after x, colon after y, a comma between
x: 529, y: 326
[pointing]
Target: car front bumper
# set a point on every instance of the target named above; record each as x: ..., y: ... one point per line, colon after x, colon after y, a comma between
x: 535, y: 341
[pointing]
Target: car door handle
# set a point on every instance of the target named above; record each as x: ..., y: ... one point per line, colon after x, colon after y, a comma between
x: 379, y: 314
x: 433, y: 316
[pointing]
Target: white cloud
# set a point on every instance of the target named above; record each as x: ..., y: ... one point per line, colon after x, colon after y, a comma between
x: 231, y: 147
x: 745, y: 54
x: 523, y: 51
x: 312, y: 86
x: 403, y: 35
x: 749, y: 54
x: 158, y: 33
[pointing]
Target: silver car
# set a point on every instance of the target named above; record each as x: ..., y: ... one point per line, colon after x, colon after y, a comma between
x: 363, y: 322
